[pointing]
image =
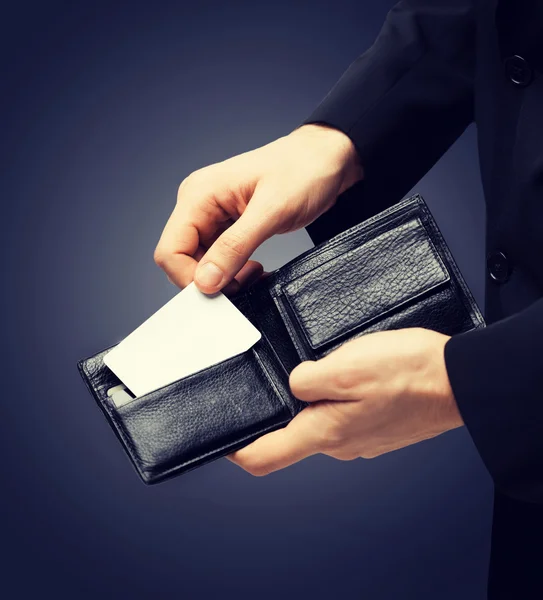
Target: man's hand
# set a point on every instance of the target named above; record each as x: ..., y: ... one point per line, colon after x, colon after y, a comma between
x: 374, y: 394
x: 226, y: 210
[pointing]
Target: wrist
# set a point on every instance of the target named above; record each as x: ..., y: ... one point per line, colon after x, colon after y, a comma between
x: 449, y: 412
x: 451, y: 416
x: 342, y: 152
x: 431, y: 383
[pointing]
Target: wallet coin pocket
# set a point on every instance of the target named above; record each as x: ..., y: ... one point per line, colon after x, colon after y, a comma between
x: 364, y: 285
x: 202, y: 416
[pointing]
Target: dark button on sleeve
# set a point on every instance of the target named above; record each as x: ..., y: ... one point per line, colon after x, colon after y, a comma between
x: 518, y: 70
x: 499, y: 267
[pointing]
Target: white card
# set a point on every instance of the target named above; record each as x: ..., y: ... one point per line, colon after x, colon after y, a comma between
x: 190, y: 332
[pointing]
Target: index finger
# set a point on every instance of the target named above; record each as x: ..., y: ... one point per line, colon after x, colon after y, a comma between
x: 176, y: 248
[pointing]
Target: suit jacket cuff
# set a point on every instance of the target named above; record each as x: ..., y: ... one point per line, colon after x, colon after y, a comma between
x: 410, y: 95
x: 496, y: 374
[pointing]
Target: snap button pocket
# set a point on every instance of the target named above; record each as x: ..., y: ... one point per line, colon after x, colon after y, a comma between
x: 518, y: 70
x: 499, y: 267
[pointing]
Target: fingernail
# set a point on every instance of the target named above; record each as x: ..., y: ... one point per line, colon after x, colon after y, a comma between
x: 209, y: 274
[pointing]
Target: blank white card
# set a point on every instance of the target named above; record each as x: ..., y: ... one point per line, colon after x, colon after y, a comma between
x: 190, y: 332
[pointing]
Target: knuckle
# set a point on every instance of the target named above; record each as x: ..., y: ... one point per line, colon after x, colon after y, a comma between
x: 183, y: 187
x: 233, y: 244
x: 283, y: 212
x: 344, y: 379
x: 254, y: 465
x: 258, y: 469
x: 190, y: 181
x: 332, y: 437
x: 344, y: 455
x: 160, y: 257
x: 260, y: 472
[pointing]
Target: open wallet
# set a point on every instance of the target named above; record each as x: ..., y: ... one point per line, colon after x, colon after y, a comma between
x: 392, y: 271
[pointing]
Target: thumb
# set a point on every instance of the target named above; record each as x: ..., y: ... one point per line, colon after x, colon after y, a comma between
x: 323, y: 379
x: 303, y: 381
x: 232, y: 249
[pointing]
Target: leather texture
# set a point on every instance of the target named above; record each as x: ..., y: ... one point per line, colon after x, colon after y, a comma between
x: 394, y: 270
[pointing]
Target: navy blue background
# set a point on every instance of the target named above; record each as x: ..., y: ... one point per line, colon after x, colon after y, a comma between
x: 105, y: 108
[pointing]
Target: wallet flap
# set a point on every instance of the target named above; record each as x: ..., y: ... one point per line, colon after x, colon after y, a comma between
x: 366, y: 283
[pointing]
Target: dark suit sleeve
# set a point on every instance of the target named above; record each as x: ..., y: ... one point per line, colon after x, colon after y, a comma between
x: 496, y: 374
x: 408, y: 97
x: 403, y: 103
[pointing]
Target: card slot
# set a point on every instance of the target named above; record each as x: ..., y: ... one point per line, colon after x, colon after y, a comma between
x: 362, y: 286
x: 98, y: 377
x: 203, y: 416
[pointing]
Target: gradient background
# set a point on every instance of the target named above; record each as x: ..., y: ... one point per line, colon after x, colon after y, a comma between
x: 106, y: 108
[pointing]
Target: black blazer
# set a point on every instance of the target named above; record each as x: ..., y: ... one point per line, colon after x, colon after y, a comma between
x: 437, y: 66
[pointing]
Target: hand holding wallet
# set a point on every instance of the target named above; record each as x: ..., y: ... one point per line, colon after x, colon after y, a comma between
x: 389, y: 272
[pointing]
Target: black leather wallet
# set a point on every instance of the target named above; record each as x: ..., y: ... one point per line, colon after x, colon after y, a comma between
x: 391, y: 271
